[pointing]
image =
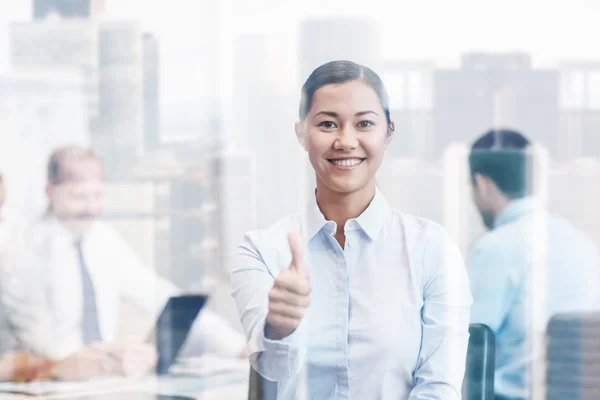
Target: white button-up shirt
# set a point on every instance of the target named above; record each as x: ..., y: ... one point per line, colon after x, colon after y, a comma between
x: 389, y: 314
x: 43, y: 293
x: 9, y: 232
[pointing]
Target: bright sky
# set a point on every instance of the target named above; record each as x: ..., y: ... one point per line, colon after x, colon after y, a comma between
x: 423, y: 29
x: 438, y: 30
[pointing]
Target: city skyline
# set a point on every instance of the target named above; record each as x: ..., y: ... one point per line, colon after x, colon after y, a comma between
x: 519, y: 37
x: 185, y: 203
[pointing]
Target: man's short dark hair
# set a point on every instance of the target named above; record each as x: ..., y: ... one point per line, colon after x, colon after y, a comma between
x: 503, y: 156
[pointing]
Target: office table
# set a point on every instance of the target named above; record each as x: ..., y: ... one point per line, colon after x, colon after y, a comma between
x: 232, y: 386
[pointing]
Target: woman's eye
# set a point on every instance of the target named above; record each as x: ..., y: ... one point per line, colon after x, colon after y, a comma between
x: 365, y: 124
x: 327, y: 124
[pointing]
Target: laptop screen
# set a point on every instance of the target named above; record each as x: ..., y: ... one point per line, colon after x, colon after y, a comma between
x: 173, y: 326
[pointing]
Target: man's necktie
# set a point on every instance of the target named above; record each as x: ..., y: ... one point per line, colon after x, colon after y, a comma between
x: 90, y: 326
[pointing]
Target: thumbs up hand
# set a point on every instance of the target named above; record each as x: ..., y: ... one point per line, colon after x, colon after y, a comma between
x: 290, y: 295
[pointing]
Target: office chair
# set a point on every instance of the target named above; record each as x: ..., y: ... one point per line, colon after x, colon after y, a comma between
x: 477, y: 385
x: 573, y: 357
x: 260, y: 388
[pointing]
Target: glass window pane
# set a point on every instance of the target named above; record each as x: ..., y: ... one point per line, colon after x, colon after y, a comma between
x: 419, y: 90
x: 396, y: 85
x: 572, y: 93
x: 594, y: 90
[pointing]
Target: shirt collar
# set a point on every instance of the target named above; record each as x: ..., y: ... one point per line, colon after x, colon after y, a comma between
x: 61, y: 231
x: 371, y: 220
x: 515, y: 210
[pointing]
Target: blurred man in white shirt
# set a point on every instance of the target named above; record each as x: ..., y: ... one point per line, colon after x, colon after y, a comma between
x: 64, y: 296
x: 7, y: 233
x: 15, y: 364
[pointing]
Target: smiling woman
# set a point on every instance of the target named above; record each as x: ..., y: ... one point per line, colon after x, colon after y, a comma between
x: 352, y: 299
x: 345, y: 126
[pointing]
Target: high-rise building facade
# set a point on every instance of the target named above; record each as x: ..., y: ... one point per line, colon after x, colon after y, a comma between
x: 321, y: 40
x: 48, y: 110
x: 494, y: 90
x: 264, y: 111
x: 233, y: 188
x: 62, y: 44
x: 151, y: 89
x: 68, y: 8
x: 579, y: 118
x: 410, y: 89
x: 118, y: 134
x: 109, y: 58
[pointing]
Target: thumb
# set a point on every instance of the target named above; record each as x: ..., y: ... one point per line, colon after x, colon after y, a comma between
x: 297, y: 249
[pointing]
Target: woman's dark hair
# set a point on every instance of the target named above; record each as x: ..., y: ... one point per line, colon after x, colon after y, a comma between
x: 336, y: 72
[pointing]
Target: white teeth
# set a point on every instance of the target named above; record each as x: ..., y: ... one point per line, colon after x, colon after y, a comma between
x: 347, y: 162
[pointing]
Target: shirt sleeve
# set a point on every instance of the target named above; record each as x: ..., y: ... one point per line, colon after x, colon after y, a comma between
x: 28, y: 321
x: 445, y: 322
x: 211, y: 333
x: 251, y: 282
x: 139, y: 283
x: 494, y: 285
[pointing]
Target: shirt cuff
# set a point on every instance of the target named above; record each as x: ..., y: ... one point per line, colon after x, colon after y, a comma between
x: 277, y: 360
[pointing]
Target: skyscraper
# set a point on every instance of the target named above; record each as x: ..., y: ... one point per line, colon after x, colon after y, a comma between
x: 109, y: 57
x: 494, y: 90
x: 264, y: 112
x: 321, y: 40
x: 63, y: 44
x: 579, y: 110
x: 410, y: 89
x: 151, y: 92
x: 118, y: 134
x: 68, y: 8
x: 233, y: 190
x: 48, y: 111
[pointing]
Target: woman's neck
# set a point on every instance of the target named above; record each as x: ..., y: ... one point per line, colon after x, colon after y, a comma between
x: 342, y: 207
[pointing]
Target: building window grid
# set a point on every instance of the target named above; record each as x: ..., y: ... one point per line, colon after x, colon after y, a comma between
x: 410, y: 89
x: 580, y: 89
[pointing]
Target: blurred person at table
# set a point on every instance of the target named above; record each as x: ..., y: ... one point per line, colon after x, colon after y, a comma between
x: 71, y: 273
x: 14, y: 365
x: 7, y: 233
x: 530, y: 264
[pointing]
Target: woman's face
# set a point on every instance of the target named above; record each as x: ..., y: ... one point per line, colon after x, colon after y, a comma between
x: 346, y: 134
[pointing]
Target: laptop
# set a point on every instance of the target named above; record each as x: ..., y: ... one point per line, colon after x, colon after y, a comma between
x: 173, y: 326
x: 169, y: 334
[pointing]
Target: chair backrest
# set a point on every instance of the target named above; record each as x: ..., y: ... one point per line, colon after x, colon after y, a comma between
x: 260, y: 388
x: 573, y: 356
x: 479, y: 374
x: 479, y: 377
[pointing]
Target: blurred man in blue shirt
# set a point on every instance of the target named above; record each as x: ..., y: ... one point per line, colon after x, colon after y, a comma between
x: 528, y: 267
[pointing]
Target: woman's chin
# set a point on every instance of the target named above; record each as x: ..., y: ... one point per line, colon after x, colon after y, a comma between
x: 345, y: 187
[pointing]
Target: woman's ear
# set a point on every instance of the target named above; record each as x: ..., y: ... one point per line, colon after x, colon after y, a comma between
x: 390, y: 133
x: 301, y: 134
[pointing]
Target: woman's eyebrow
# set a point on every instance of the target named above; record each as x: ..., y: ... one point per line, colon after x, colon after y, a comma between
x: 361, y: 113
x: 329, y: 113
x: 335, y: 115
